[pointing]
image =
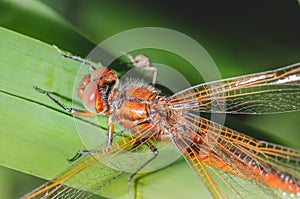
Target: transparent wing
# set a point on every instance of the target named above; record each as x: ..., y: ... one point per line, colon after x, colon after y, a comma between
x: 222, y: 184
x: 94, y: 171
x: 85, y: 177
x: 261, y: 93
x: 233, y: 165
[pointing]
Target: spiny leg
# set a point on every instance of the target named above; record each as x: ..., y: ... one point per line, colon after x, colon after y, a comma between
x: 76, y: 58
x: 79, y: 154
x: 100, y: 147
x: 142, y: 61
x: 72, y: 111
x: 110, y: 132
x: 155, y: 154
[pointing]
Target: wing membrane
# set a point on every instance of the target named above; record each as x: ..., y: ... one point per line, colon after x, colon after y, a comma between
x: 76, y: 180
x: 220, y: 183
x: 94, y: 171
x: 233, y: 165
x: 272, y: 91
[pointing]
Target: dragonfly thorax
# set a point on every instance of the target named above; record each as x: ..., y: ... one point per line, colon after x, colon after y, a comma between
x: 137, y: 106
x: 131, y: 102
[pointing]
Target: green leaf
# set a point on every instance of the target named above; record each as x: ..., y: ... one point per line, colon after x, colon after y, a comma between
x: 37, y: 136
x: 31, y: 127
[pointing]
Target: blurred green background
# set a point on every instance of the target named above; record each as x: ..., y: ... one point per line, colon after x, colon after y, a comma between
x: 241, y: 37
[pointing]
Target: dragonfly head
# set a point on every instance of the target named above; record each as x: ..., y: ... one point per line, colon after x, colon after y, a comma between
x: 95, y: 89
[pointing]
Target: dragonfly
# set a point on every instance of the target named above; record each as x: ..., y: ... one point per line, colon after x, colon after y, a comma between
x: 230, y: 164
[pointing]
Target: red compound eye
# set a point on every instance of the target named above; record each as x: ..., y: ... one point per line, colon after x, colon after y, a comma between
x: 91, y: 98
x: 99, y: 73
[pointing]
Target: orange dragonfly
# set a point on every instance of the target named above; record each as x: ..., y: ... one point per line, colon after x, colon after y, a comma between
x: 229, y: 163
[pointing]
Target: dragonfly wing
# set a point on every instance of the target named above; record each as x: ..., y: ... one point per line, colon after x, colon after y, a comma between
x: 233, y: 165
x: 239, y: 145
x: 92, y: 172
x: 85, y: 177
x: 69, y: 185
x: 219, y: 183
x: 272, y: 91
x: 199, y: 168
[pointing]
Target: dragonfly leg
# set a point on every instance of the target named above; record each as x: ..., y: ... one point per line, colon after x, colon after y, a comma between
x: 155, y: 154
x: 76, y: 58
x: 70, y: 110
x: 154, y: 71
x: 79, y: 154
x: 110, y: 132
x: 142, y: 61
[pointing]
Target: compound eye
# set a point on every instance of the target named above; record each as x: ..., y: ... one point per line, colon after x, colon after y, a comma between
x: 85, y: 80
x: 91, y: 98
x: 99, y: 73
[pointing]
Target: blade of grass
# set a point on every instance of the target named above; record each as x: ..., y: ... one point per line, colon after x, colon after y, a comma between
x: 25, y: 63
x: 36, y: 137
